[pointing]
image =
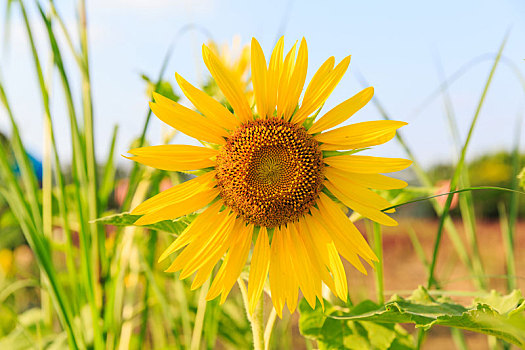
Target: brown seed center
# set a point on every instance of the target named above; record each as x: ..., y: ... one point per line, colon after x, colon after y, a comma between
x: 270, y: 171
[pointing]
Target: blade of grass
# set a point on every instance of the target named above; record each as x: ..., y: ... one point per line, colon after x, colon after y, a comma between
x: 79, y: 176
x: 477, y: 188
x: 18, y: 204
x: 149, y: 261
x: 108, y: 178
x: 510, y: 232
x: 161, y: 298
x: 378, y: 272
x: 98, y: 252
x: 466, y: 203
x: 459, y: 166
x: 418, y: 248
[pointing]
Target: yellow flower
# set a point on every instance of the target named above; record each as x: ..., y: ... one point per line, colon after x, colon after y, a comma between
x: 236, y: 61
x: 272, y: 176
x: 235, y: 58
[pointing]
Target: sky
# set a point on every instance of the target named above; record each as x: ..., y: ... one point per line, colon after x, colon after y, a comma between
x: 397, y: 47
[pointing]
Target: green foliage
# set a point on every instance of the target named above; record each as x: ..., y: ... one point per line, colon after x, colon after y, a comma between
x: 162, y: 87
x: 126, y: 219
x: 487, y: 170
x: 494, y: 314
x: 332, y: 333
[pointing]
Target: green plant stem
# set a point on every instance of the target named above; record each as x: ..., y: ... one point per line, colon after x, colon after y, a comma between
x: 150, y: 260
x: 199, y: 318
x: 269, y: 328
x: 378, y: 249
x: 459, y: 167
x: 256, y: 320
x: 509, y: 236
x: 466, y: 204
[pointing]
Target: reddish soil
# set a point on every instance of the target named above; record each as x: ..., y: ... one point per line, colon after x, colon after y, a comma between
x: 403, y: 270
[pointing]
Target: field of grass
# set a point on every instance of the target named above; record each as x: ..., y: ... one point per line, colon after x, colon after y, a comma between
x: 76, y: 273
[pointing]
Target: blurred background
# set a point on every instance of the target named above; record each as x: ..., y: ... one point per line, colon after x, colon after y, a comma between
x: 428, y: 62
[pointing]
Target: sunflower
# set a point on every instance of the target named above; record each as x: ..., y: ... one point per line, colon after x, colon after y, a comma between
x: 235, y: 57
x: 272, y: 176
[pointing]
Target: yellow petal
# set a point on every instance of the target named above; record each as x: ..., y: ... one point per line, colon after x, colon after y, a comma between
x: 317, y: 249
x: 318, y: 78
x: 284, y: 81
x: 343, y: 229
x: 378, y: 181
x: 187, y: 121
x: 230, y: 87
x: 274, y: 72
x: 347, y: 249
x: 176, y: 210
x: 321, y: 92
x: 207, y: 105
x: 258, y: 268
x: 359, y: 135
x: 367, y: 164
x: 203, y: 273
x: 356, y: 204
x: 177, y: 193
x: 228, y: 266
x: 355, y: 192
x: 233, y: 264
x: 277, y: 280
x: 307, y: 276
x: 323, y: 241
x: 201, y: 225
x: 297, y: 79
x: 259, y: 70
x: 291, y: 284
x: 174, y: 157
x: 342, y: 111
x: 206, y: 247
x: 179, y: 152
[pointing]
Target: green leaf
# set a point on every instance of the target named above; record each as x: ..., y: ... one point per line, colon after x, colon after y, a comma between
x: 126, y: 219
x: 336, y: 333
x: 500, y: 316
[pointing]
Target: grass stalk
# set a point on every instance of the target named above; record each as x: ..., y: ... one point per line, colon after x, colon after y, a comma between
x: 378, y: 272
x: 459, y: 166
x: 199, y: 317
x: 466, y: 204
x: 510, y: 232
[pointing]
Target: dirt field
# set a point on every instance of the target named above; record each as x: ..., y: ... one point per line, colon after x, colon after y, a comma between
x: 404, y: 271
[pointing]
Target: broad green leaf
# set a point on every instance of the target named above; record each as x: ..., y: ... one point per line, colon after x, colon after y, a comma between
x: 126, y: 219
x: 500, y: 316
x: 334, y: 333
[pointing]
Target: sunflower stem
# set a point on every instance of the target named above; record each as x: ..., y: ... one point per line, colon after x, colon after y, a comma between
x: 256, y: 320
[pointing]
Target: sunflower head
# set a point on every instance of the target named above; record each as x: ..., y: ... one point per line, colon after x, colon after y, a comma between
x: 274, y: 166
x: 270, y: 172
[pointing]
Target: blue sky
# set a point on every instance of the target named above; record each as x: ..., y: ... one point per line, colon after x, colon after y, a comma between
x: 394, y: 45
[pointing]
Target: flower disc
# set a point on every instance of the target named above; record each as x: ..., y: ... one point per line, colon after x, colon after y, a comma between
x: 270, y: 171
